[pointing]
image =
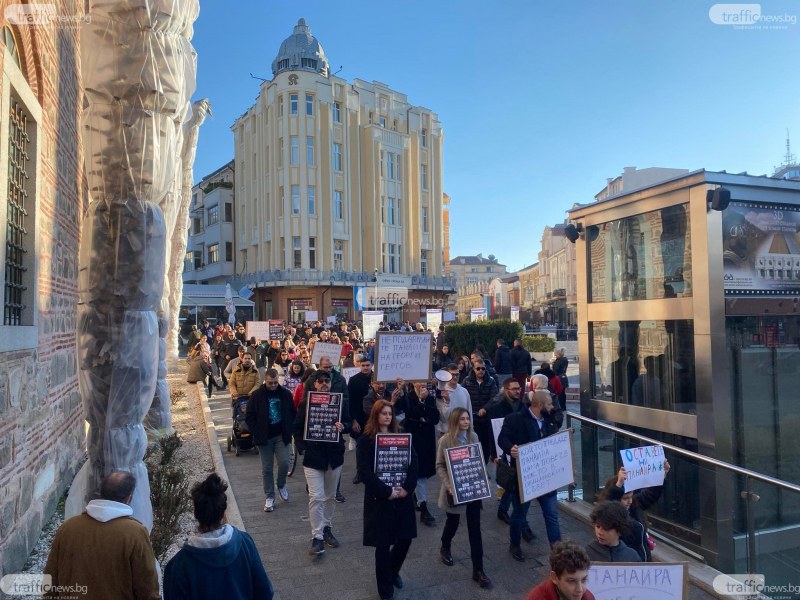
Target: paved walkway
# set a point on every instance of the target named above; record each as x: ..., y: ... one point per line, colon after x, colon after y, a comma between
x: 347, y: 573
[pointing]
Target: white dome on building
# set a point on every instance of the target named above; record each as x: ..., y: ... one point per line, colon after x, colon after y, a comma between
x: 301, y: 52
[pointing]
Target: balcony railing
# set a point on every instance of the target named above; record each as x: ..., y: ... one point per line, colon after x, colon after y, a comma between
x: 281, y: 277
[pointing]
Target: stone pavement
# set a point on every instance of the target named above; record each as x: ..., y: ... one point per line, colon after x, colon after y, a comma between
x: 347, y: 573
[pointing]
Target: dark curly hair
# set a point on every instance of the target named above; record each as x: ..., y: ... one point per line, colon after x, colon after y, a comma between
x: 568, y: 557
x: 210, y: 502
x: 611, y: 515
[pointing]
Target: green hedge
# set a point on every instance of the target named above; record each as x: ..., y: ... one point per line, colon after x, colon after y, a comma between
x: 538, y: 343
x: 463, y: 337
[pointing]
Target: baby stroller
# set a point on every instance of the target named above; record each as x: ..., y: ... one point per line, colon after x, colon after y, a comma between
x: 240, y: 438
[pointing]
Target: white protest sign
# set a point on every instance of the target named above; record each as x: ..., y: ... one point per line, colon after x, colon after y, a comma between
x: 331, y: 320
x: 545, y: 465
x: 372, y: 321
x: 257, y: 329
x: 449, y: 316
x: 645, y: 466
x: 497, y: 425
x: 639, y: 581
x: 433, y: 318
x: 404, y: 355
x: 312, y: 315
x: 325, y: 350
x: 348, y: 372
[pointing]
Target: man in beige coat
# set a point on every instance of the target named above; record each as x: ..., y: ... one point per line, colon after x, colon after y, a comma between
x: 104, y: 551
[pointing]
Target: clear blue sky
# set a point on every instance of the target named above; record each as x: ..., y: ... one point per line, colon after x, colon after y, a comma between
x: 540, y: 101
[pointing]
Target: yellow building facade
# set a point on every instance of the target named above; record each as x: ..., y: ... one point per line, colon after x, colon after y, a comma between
x: 338, y: 184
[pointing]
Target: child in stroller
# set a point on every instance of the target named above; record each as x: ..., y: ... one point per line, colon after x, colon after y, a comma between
x: 240, y: 438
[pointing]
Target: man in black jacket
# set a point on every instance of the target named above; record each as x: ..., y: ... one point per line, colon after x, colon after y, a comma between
x: 529, y: 425
x: 322, y: 465
x: 482, y: 390
x: 502, y: 362
x: 521, y: 367
x: 357, y: 388
x: 270, y: 418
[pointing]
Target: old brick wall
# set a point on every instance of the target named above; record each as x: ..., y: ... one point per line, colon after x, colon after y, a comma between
x: 41, y: 418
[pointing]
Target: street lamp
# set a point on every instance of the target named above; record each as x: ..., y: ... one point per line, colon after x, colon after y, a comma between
x: 375, y: 279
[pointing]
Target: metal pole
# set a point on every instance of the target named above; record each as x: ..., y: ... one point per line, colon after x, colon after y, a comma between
x: 750, y: 498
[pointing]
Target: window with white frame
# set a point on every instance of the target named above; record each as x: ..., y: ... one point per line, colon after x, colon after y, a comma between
x: 337, y: 157
x: 424, y: 137
x: 337, y: 112
x: 424, y: 219
x: 311, y: 192
x: 394, y: 258
x: 310, y: 151
x: 390, y: 164
x: 294, y: 152
x: 213, y: 254
x: 390, y: 211
x: 187, y: 262
x: 293, y: 104
x: 338, y: 255
x: 213, y: 215
x: 423, y: 176
x: 295, y: 199
x: 312, y: 253
x: 383, y: 158
x: 383, y: 209
x: 423, y: 263
x: 338, y: 205
x: 297, y: 252
x: 197, y: 256
x: 309, y: 105
x: 19, y: 151
x: 382, y: 122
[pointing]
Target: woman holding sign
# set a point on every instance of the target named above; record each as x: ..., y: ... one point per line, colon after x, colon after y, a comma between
x: 459, y: 433
x: 389, y: 517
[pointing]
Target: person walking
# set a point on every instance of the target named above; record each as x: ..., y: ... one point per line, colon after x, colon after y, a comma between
x: 459, y: 433
x: 220, y: 560
x: 270, y: 417
x: 389, y: 518
x: 421, y: 419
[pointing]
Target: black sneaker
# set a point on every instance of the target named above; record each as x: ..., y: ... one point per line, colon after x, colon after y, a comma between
x: 329, y: 538
x: 503, y: 516
x: 340, y: 497
x: 317, y: 547
x: 527, y: 534
x: 516, y: 553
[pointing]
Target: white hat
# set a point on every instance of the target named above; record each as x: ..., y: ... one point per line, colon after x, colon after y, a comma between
x: 442, y: 376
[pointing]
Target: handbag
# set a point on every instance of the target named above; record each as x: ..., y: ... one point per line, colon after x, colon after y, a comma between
x: 506, y: 475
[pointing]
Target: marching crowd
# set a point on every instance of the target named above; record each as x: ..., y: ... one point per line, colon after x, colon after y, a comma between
x: 454, y: 408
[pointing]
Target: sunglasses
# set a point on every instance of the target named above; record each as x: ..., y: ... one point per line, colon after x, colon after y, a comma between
x: 480, y: 368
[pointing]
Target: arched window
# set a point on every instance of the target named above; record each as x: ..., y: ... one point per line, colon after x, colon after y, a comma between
x: 11, y: 45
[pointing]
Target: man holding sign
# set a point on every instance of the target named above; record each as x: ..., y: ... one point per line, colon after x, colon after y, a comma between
x: 529, y: 425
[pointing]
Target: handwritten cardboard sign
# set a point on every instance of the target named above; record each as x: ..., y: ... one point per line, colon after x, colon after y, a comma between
x: 545, y: 465
x: 639, y: 581
x: 372, y: 321
x: 645, y: 466
x: 404, y: 355
x: 257, y: 329
x: 326, y: 350
x: 467, y: 471
x: 392, y: 457
x: 323, y: 411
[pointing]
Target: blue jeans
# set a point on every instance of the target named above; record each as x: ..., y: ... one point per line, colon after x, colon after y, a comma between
x: 519, y: 517
x: 549, y: 505
x: 274, y: 448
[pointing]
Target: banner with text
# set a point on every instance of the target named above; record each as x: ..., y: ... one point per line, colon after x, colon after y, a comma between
x: 639, y: 581
x: 403, y: 355
x: 545, y: 465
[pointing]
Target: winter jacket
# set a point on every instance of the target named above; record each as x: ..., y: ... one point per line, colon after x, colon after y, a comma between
x: 219, y: 564
x: 198, y: 369
x: 480, y: 394
x: 357, y: 388
x: 385, y: 521
x: 243, y: 381
x: 619, y: 553
x: 319, y: 455
x: 521, y: 361
x: 547, y: 591
x: 106, y: 550
x: 502, y: 360
x: 420, y: 422
x: 259, y: 417
x: 642, y: 500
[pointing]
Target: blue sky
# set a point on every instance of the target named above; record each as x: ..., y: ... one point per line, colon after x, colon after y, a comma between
x: 540, y: 102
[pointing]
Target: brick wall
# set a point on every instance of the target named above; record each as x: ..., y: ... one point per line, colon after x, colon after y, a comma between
x: 41, y: 419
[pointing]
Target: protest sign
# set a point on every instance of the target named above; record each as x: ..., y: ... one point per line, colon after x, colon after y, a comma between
x: 645, y: 466
x: 404, y: 355
x: 545, y: 465
x: 514, y: 313
x: 639, y: 581
x: 497, y: 425
x: 467, y: 472
x: 326, y: 350
x: 372, y: 321
x: 348, y: 372
x: 257, y: 329
x: 276, y: 330
x: 449, y: 316
x: 322, y: 412
x: 392, y: 457
x: 433, y: 318
x: 312, y: 315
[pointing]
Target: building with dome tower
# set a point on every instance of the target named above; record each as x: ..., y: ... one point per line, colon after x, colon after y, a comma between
x: 338, y: 193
